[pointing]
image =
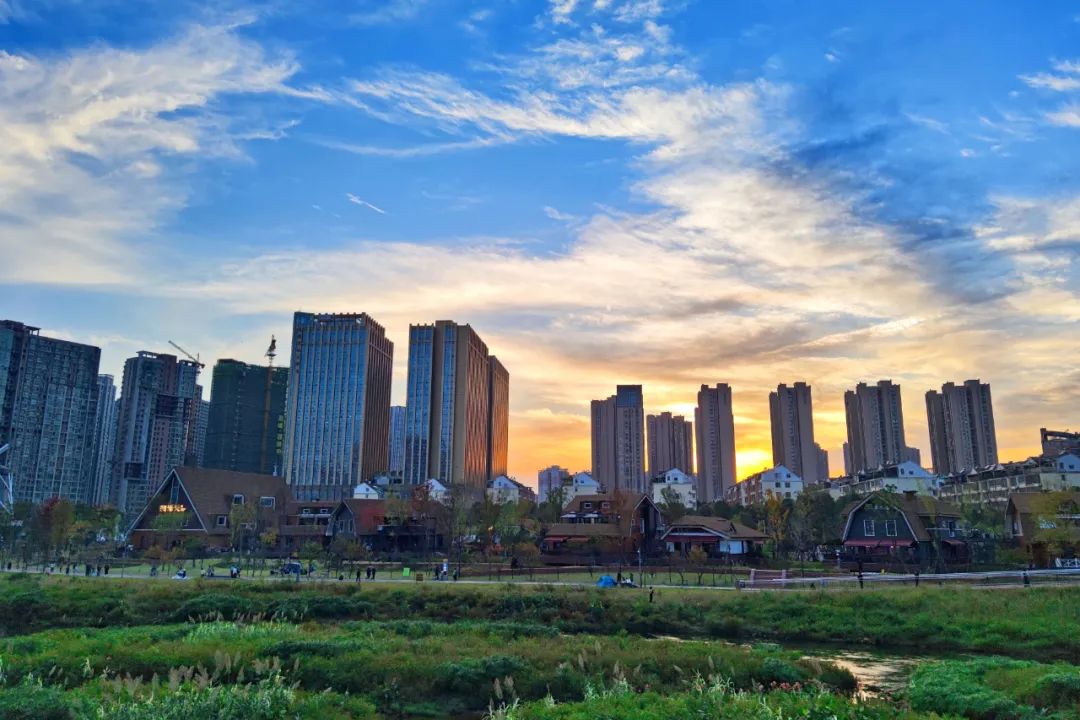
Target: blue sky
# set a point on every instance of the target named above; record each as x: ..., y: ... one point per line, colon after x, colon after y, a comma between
x: 657, y: 191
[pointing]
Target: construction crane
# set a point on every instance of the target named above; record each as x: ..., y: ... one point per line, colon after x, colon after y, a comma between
x: 192, y: 358
x: 271, y: 352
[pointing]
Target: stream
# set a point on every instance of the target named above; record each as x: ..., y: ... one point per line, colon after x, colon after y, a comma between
x: 877, y: 673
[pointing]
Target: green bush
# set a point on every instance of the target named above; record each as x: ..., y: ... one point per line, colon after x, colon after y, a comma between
x: 1060, y: 689
x: 30, y: 701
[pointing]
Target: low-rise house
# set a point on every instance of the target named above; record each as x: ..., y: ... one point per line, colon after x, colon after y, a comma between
x: 904, y: 528
x: 357, y: 518
x: 366, y: 491
x: 305, y: 521
x: 505, y: 489
x: 581, y: 483
x: 898, y: 477
x: 717, y: 536
x: 777, y: 482
x: 1045, y: 525
x: 203, y: 504
x: 675, y: 480
x: 994, y: 484
x: 629, y: 521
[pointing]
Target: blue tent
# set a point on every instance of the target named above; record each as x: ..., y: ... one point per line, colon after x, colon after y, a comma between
x: 606, y: 581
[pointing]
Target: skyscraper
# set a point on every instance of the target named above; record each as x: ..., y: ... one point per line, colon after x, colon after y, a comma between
x: 498, y: 446
x: 961, y: 421
x: 48, y: 413
x: 670, y: 443
x: 791, y: 411
x: 456, y: 408
x: 337, y: 419
x: 618, y: 440
x: 875, y: 427
x: 247, y: 418
x: 397, y: 442
x: 715, y: 424
x: 105, y: 440
x: 156, y: 430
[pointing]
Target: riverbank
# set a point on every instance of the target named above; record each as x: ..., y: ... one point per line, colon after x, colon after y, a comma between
x: 1031, y: 623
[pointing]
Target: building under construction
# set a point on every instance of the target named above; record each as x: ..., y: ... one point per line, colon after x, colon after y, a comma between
x: 247, y: 418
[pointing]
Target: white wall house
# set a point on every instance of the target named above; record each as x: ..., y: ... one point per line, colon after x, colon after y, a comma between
x: 364, y: 491
x: 994, y: 484
x: 902, y: 478
x: 778, y: 481
x: 504, y: 489
x: 678, y: 481
x: 581, y: 483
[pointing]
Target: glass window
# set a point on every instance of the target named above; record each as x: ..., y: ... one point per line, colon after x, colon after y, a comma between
x: 222, y: 520
x: 267, y: 502
x: 237, y: 499
x: 890, y: 528
x: 868, y: 528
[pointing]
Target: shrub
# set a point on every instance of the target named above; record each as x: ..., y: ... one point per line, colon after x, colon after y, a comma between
x: 31, y: 701
x: 1060, y: 689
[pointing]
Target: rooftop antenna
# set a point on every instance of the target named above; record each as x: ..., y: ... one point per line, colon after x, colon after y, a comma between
x: 271, y: 352
x: 192, y: 358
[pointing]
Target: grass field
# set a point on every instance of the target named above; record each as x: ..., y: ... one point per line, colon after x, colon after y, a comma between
x: 76, y: 649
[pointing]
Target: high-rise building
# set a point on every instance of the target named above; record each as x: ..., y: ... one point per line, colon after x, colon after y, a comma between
x: 791, y: 411
x: 875, y: 426
x: 48, y: 413
x: 714, y: 421
x: 456, y: 408
x: 618, y: 440
x: 202, y: 420
x: 396, y: 469
x: 157, y: 426
x: 245, y: 427
x: 961, y: 421
x: 498, y: 445
x: 105, y: 440
x: 549, y: 480
x: 337, y: 418
x: 670, y: 443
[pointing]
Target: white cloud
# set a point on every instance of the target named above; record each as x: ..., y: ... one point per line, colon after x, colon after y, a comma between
x: 85, y: 139
x: 555, y: 214
x: 387, y: 12
x: 364, y: 203
x: 1065, y: 116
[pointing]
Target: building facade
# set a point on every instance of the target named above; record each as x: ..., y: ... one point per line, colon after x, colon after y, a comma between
x: 905, y: 477
x: 670, y: 443
x: 961, y: 422
x: 618, y: 440
x: 246, y: 422
x: 48, y: 414
x: 714, y: 422
x: 674, y: 481
x: 994, y: 484
x: 396, y: 469
x: 549, y: 480
x: 337, y: 419
x: 791, y: 411
x: 779, y: 482
x: 1058, y: 442
x: 157, y: 426
x: 875, y: 427
x: 105, y: 440
x: 457, y: 408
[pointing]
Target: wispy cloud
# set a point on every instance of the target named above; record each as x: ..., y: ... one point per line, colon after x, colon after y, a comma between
x: 1065, y: 80
x: 386, y: 12
x: 87, y: 138
x: 555, y: 214
x: 364, y: 203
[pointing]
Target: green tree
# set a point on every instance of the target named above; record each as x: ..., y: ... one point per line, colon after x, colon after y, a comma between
x: 777, y: 513
x: 1055, y: 516
x: 671, y: 505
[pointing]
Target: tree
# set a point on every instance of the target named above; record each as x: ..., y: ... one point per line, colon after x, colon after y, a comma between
x: 53, y: 524
x: 550, y: 511
x: 815, y: 520
x: 698, y: 558
x: 1056, y: 526
x: 776, y: 521
x: 243, y: 521
x: 671, y: 505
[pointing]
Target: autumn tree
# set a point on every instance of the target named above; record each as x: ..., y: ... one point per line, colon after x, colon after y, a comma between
x: 777, y: 513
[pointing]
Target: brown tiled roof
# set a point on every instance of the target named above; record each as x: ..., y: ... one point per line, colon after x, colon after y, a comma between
x: 584, y: 530
x: 1028, y: 503
x: 211, y: 492
x: 722, y: 525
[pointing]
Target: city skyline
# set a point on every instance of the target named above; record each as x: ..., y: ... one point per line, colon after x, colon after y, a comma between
x: 536, y: 185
